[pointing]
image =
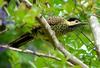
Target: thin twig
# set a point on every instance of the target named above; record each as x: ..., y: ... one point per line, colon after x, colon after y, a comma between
x: 1, y: 32
x: 7, y: 12
x: 31, y: 52
x: 27, y: 3
x: 34, y: 53
x: 58, y: 45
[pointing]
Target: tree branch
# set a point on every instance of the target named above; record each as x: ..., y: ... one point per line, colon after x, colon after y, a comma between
x: 34, y: 53
x: 30, y: 52
x: 95, y: 26
x: 27, y: 3
x: 58, y: 45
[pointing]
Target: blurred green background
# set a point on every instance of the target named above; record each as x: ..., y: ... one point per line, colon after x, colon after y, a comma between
x: 22, y: 19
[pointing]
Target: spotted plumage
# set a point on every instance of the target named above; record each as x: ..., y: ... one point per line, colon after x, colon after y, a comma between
x: 60, y: 25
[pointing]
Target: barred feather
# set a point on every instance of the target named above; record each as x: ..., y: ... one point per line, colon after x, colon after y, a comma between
x: 58, y: 24
x: 55, y: 20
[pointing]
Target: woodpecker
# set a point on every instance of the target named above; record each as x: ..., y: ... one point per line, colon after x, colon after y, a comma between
x: 60, y: 25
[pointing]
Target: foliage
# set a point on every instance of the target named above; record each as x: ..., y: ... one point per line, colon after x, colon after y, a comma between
x: 22, y: 19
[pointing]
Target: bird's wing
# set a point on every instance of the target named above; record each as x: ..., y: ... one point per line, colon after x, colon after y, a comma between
x: 55, y: 20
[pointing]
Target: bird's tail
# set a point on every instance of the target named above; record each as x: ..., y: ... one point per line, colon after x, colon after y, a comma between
x: 22, y: 39
x: 26, y: 37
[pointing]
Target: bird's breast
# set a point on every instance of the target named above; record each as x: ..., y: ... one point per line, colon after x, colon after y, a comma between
x: 60, y: 29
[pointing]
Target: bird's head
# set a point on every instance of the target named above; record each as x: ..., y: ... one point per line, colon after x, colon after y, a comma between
x: 74, y: 23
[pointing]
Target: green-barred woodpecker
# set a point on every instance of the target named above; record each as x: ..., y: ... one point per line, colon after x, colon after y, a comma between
x: 60, y: 25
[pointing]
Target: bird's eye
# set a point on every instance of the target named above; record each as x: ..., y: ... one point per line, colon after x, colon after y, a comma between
x: 76, y: 21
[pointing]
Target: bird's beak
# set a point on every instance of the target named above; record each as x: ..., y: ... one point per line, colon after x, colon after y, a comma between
x: 77, y: 25
x: 73, y: 23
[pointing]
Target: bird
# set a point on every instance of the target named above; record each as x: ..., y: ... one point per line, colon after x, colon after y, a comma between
x: 58, y: 24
